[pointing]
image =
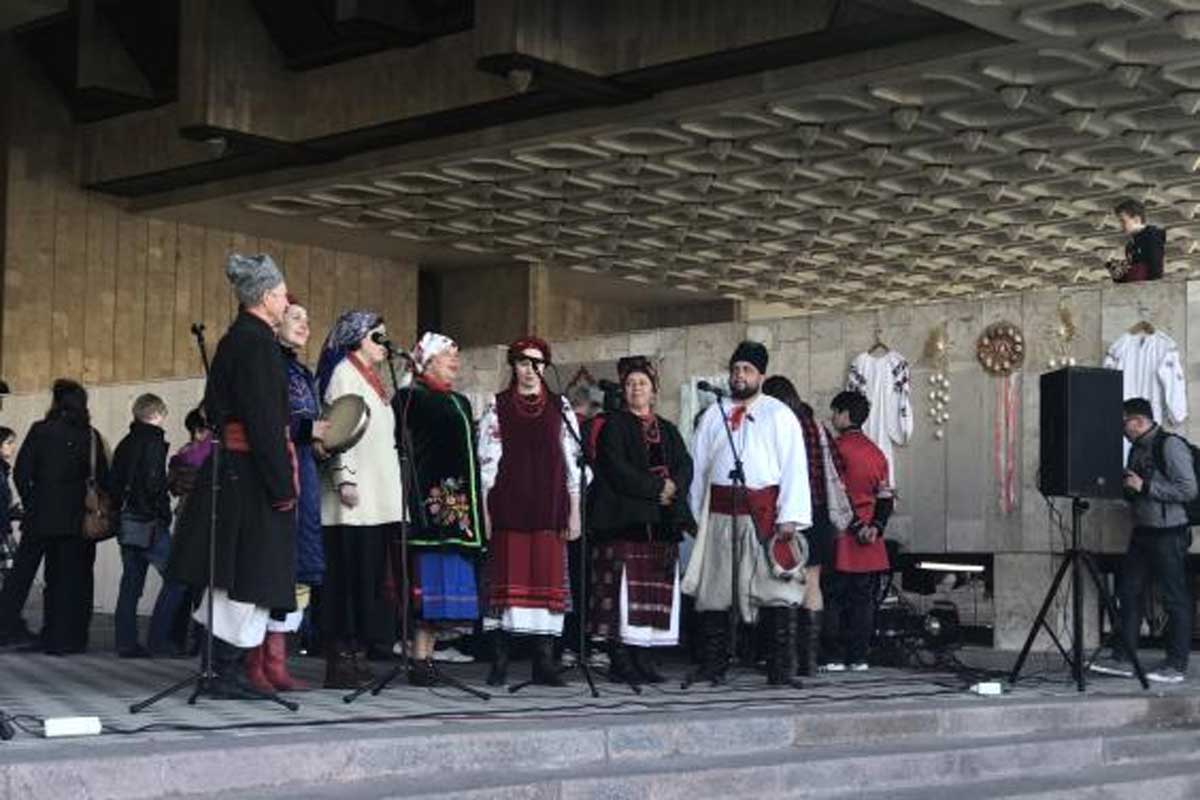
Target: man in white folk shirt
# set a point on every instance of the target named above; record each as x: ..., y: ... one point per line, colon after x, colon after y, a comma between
x: 769, y: 514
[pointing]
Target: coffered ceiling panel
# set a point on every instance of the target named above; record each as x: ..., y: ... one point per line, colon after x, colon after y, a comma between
x: 970, y: 176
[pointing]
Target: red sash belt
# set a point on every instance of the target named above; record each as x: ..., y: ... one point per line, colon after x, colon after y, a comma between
x: 233, y: 439
x: 759, y: 503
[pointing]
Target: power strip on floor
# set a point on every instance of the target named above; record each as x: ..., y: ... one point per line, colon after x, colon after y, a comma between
x: 70, y: 726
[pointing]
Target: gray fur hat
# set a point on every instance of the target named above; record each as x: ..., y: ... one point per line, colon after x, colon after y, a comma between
x: 252, y: 276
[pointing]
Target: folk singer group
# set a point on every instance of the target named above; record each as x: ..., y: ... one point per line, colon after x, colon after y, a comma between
x: 509, y: 487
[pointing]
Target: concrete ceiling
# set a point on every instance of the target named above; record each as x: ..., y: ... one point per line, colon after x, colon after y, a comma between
x: 19, y: 12
x: 972, y: 174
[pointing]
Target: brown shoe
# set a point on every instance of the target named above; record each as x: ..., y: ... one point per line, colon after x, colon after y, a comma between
x: 339, y: 669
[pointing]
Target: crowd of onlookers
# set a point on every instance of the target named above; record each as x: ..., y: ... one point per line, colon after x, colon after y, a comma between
x: 60, y: 457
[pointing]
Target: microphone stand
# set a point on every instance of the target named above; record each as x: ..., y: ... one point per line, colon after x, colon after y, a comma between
x: 582, y: 462
x: 737, y: 476
x: 408, y: 487
x: 203, y: 679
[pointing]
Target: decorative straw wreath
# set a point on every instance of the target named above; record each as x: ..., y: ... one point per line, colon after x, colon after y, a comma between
x: 1001, y: 348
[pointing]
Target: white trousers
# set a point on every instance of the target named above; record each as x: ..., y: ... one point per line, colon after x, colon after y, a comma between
x: 240, y: 624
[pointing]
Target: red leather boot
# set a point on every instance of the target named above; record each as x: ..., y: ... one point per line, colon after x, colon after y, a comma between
x: 275, y: 664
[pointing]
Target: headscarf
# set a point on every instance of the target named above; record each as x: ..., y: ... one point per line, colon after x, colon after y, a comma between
x: 347, y: 331
x: 528, y: 343
x: 252, y: 276
x: 431, y: 344
x: 631, y: 364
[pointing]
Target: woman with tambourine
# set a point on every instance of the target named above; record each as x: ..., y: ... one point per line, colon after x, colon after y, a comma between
x: 362, y: 504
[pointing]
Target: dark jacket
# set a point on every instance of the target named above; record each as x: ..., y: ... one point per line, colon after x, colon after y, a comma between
x: 1160, y: 504
x: 137, y: 481
x: 305, y: 408
x: 51, y: 476
x: 10, y: 511
x: 623, y: 499
x: 256, y: 530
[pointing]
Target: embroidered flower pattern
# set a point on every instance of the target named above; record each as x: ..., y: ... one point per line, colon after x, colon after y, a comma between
x: 449, y: 506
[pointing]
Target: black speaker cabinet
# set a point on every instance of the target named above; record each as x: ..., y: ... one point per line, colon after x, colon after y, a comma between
x: 1081, y: 433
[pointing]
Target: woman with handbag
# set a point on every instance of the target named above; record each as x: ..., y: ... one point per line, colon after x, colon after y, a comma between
x: 61, y: 457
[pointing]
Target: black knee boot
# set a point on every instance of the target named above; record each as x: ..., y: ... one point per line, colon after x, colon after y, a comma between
x: 545, y: 671
x: 808, y: 641
x: 621, y: 668
x: 643, y: 665
x: 498, y: 675
x: 782, y: 660
x: 230, y: 682
x: 714, y: 655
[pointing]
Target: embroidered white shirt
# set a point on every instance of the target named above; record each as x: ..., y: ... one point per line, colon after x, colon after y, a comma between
x: 884, y: 380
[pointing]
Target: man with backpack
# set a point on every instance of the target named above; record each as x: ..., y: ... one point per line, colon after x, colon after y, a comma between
x: 1160, y: 485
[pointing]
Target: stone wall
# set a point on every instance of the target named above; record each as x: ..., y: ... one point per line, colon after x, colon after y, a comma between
x: 948, y: 490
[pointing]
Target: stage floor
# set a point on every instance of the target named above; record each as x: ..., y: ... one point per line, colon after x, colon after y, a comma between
x: 98, y: 683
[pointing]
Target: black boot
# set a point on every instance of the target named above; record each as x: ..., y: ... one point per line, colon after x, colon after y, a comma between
x: 643, y: 665
x: 498, y: 675
x: 768, y: 627
x: 230, y: 682
x: 808, y: 642
x: 783, y: 648
x: 621, y: 668
x: 714, y: 656
x: 422, y: 673
x: 545, y: 671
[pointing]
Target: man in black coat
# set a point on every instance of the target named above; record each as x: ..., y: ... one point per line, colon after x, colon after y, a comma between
x: 246, y: 401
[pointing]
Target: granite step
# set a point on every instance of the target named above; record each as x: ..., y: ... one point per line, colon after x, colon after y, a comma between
x: 963, y: 738
x: 927, y: 768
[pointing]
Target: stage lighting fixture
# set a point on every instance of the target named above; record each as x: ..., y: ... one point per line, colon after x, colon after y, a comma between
x: 947, y: 566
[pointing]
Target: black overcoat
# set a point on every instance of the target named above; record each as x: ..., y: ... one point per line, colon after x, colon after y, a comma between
x: 624, y: 494
x: 256, y: 538
x: 51, y: 476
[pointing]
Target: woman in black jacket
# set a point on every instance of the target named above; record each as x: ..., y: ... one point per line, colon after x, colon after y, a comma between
x: 638, y: 512
x: 51, y: 476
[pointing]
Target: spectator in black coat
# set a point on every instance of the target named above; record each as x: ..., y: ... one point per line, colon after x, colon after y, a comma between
x: 51, y: 474
x: 137, y: 485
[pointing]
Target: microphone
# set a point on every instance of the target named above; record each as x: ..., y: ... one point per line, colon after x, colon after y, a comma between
x: 386, y: 343
x: 705, y: 386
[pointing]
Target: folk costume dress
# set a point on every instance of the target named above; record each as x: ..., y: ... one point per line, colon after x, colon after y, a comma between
x: 446, y: 537
x: 246, y: 398
x: 304, y: 409
x: 635, y: 548
x: 884, y: 380
x: 771, y: 444
x: 357, y: 602
x: 527, y: 460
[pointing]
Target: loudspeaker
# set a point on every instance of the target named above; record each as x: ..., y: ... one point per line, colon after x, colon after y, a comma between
x: 1081, y: 433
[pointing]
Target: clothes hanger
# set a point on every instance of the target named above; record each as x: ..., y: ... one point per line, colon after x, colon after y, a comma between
x: 879, y: 347
x: 1143, y: 325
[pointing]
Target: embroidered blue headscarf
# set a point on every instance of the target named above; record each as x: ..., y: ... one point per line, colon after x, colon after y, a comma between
x: 347, y: 331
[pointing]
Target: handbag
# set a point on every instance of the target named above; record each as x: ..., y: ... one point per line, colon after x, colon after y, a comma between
x: 135, y: 532
x: 97, y: 506
x: 841, y: 513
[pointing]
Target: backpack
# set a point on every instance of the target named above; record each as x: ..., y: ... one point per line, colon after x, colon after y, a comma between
x: 1192, y: 507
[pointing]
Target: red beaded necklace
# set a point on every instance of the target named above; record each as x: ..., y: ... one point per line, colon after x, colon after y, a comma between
x: 530, y: 405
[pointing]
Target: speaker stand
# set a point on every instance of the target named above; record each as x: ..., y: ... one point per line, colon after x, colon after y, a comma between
x: 1077, y: 559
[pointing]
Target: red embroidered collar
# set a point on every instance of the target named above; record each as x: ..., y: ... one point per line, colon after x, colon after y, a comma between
x: 369, y: 376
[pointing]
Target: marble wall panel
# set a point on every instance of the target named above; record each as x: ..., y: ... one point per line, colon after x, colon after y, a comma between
x: 968, y: 466
x: 923, y: 491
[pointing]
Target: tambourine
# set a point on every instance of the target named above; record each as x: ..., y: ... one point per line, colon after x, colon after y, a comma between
x: 348, y: 417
